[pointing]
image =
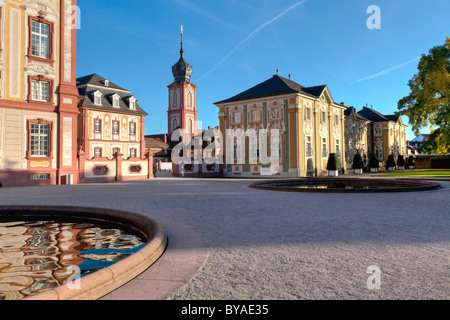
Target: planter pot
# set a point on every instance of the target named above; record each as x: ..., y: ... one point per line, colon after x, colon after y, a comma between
x: 411, y: 167
x: 391, y: 168
x: 401, y: 168
x: 333, y: 173
x: 357, y: 171
x: 374, y: 170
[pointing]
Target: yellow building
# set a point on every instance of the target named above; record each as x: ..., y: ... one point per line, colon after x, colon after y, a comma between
x: 357, y: 129
x: 386, y: 134
x: 38, y: 94
x: 308, y: 125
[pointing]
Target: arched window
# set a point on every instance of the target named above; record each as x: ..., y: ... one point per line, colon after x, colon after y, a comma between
x: 190, y: 126
x: 175, y: 124
x: 190, y: 100
x: 175, y: 99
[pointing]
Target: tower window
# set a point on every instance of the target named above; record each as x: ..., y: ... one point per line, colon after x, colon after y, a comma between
x: 175, y: 124
x: 175, y: 99
x: 190, y: 100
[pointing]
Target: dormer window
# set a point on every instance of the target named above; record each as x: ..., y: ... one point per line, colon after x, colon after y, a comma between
x: 132, y: 103
x: 106, y: 83
x: 97, y: 98
x: 115, y: 100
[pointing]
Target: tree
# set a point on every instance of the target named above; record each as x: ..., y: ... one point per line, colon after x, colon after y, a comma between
x: 357, y: 162
x: 333, y: 163
x: 428, y: 104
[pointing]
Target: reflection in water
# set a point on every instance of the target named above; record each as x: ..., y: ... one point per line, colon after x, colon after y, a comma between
x: 40, y: 255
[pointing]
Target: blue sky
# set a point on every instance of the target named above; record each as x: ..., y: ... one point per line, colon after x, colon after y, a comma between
x: 236, y: 44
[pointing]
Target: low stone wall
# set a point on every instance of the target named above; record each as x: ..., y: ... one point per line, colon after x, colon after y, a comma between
x: 424, y: 161
x: 98, y: 170
x: 198, y: 171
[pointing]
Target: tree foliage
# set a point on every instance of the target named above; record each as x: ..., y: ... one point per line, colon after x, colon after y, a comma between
x: 428, y: 104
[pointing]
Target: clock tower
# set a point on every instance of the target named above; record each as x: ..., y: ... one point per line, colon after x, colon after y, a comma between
x: 182, y: 111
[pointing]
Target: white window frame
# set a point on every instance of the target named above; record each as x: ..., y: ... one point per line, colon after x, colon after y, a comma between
x: 235, y: 117
x: 324, y: 149
x: 40, y: 90
x: 40, y: 40
x: 40, y: 140
x: 132, y: 125
x: 133, y: 103
x: 98, y: 98
x: 114, y: 127
x: 308, y: 146
x: 323, y: 117
x: 97, y: 125
x: 115, y: 100
x: 308, y: 113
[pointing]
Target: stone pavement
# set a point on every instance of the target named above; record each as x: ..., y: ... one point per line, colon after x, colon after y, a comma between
x: 227, y: 241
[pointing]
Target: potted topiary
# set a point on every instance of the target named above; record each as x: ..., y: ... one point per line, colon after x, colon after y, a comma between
x: 333, y: 165
x: 411, y: 162
x: 390, y: 163
x: 374, y: 165
x: 357, y: 164
x: 401, y: 162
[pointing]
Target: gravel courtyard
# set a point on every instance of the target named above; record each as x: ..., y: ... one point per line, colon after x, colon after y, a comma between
x: 277, y: 245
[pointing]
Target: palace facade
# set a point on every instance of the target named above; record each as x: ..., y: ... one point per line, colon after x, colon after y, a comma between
x: 38, y: 93
x: 111, y: 135
x: 308, y: 123
x: 309, y: 126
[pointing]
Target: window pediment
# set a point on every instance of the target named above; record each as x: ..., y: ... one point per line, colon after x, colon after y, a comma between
x: 97, y: 98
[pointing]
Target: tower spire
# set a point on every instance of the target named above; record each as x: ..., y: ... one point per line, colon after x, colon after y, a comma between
x: 182, y: 71
x: 182, y: 50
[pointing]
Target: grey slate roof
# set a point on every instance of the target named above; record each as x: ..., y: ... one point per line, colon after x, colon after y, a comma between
x: 89, y: 84
x: 273, y: 87
x: 373, y: 115
x: 352, y: 110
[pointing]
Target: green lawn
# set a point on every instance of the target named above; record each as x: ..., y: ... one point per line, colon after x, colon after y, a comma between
x: 420, y: 173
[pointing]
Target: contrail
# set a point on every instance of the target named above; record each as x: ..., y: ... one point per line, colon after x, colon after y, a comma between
x: 201, y: 11
x: 253, y: 33
x: 382, y: 73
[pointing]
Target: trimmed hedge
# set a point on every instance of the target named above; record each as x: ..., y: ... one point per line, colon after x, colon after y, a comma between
x: 411, y: 161
x: 390, y: 161
x: 357, y: 162
x: 333, y: 162
x: 373, y: 162
x: 401, y: 161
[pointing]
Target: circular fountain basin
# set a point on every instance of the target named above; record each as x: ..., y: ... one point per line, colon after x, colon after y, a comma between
x: 73, y: 253
x: 347, y: 185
